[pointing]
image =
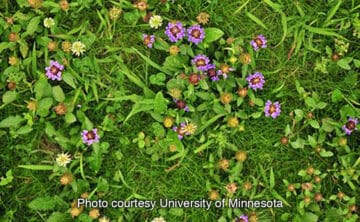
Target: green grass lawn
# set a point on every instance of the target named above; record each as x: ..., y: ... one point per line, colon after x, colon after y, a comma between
x: 303, y: 157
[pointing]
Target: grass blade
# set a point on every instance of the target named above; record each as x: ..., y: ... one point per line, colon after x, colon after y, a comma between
x: 256, y: 20
x: 150, y: 62
x: 332, y: 12
x: 323, y: 31
x: 37, y: 167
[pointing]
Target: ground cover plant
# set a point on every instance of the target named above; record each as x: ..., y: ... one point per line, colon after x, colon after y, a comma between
x: 204, y: 101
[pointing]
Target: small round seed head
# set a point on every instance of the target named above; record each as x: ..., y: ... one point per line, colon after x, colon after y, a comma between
x: 253, y: 217
x: 231, y: 188
x: 233, y: 122
x: 230, y: 40
x: 335, y: 57
x: 13, y: 37
x: 214, y: 195
x: 342, y: 141
x: 76, y: 211
x: 11, y: 85
x: 284, y: 140
x: 32, y: 105
x: 94, y: 213
x: 174, y: 50
x: 175, y: 93
x: 141, y: 5
x: 340, y: 195
x: 66, y: 179
x: 60, y: 109
x: 317, y: 179
x: 203, y: 18
x: 307, y: 199
x: 251, y: 103
x: 225, y: 98
x: 194, y: 79
x: 180, y: 104
x: 353, y: 208
x: 168, y: 122
x: 66, y: 46
x: 241, y: 155
x: 172, y: 148
x: 318, y: 197
x: 52, y: 46
x: 13, y: 60
x: 10, y: 20
x: 242, y: 92
x: 318, y: 149
x: 310, y: 115
x: 310, y: 170
x: 307, y: 186
x: 233, y: 59
x: 85, y: 195
x: 245, y: 58
x: 224, y: 164
x: 114, y: 13
x: 64, y: 5
x: 291, y: 187
x: 35, y: 3
x: 247, y: 186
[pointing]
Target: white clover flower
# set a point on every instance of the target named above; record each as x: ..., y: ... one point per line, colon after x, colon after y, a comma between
x: 158, y: 219
x: 63, y: 159
x: 49, y: 22
x: 78, y: 48
x: 155, y: 21
x: 104, y: 219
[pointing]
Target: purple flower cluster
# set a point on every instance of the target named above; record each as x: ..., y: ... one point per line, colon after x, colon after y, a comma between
x: 195, y: 34
x: 256, y: 81
x: 148, y: 40
x: 258, y: 42
x: 242, y: 218
x: 201, y: 62
x: 90, y: 137
x: 54, y: 71
x: 350, y: 126
x: 179, y: 131
x: 272, y: 109
x: 175, y: 31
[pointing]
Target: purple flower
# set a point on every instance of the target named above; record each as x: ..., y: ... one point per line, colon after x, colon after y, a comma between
x: 242, y: 218
x: 179, y: 131
x: 181, y: 104
x: 211, y: 72
x: 90, y: 137
x: 195, y: 34
x: 175, y: 31
x: 258, y: 42
x: 256, y: 81
x: 350, y: 125
x: 272, y: 109
x: 148, y: 40
x: 201, y: 62
x: 53, y: 71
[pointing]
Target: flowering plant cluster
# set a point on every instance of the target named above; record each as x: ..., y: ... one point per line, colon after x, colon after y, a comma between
x: 149, y: 99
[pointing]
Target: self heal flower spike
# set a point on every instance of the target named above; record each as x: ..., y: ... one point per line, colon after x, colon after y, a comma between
x: 258, y: 42
x: 148, y: 40
x: 195, y: 34
x: 256, y: 81
x: 201, y: 62
x: 242, y: 218
x: 179, y: 131
x: 90, y: 137
x: 211, y: 72
x: 175, y: 31
x: 350, y: 126
x: 272, y: 109
x: 54, y: 71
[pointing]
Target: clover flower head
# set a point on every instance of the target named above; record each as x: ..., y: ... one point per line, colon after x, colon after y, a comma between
x: 63, y: 159
x: 155, y: 21
x: 78, y: 48
x: 49, y: 22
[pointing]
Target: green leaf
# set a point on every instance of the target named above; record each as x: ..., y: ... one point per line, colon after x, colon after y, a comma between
x: 212, y: 34
x: 32, y: 26
x: 325, y: 153
x: 57, y: 217
x: 69, y: 79
x: 160, y: 103
x: 336, y: 96
x: 11, y: 121
x: 44, y: 106
x: 256, y: 20
x: 24, y: 48
x: 9, y: 96
x: 9, y: 177
x: 310, y: 102
x: 158, y: 79
x: 43, y: 203
x: 176, y: 211
x: 58, y: 94
x: 70, y: 118
x: 344, y: 63
x: 272, y: 178
x: 357, y: 63
x: 310, y: 217
x: 314, y: 124
x: 321, y: 105
x: 141, y: 106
